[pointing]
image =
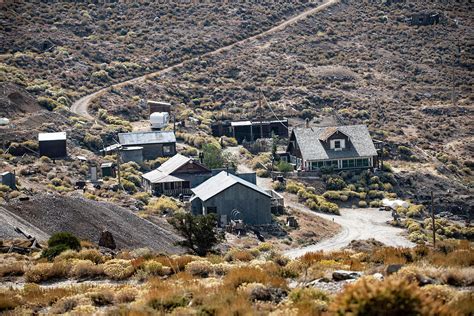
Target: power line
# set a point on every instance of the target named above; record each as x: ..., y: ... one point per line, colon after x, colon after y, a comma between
x: 266, y: 102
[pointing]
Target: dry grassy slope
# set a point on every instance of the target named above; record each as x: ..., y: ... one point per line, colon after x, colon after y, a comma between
x: 86, y: 219
x: 368, y: 65
x: 73, y: 48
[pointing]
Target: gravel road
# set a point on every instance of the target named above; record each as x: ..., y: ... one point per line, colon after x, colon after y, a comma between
x: 359, y: 223
x: 80, y: 107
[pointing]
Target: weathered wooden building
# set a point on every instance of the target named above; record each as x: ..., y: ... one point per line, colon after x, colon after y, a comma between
x: 108, y: 169
x: 52, y: 145
x: 155, y: 144
x: 176, y: 176
x: 250, y: 130
x: 231, y: 197
x: 8, y: 178
x: 337, y: 147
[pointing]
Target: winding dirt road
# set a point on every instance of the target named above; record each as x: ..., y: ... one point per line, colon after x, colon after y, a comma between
x: 80, y: 107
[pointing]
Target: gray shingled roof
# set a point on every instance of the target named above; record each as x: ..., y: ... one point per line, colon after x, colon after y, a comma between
x: 142, y: 138
x: 221, y: 182
x: 312, y: 148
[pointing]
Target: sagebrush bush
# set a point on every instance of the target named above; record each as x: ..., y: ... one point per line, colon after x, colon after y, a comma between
x: 201, y: 268
x: 46, y: 271
x: 391, y: 296
x: 118, y: 269
x: 85, y: 269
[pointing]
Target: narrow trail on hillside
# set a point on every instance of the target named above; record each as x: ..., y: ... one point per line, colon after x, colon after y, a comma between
x: 81, y: 106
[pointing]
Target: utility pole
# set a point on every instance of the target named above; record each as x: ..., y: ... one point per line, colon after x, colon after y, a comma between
x: 433, y: 221
x: 260, y: 113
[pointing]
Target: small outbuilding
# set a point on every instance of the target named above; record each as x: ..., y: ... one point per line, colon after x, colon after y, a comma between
x: 133, y: 153
x: 52, y: 145
x: 108, y: 169
x: 155, y: 144
x: 231, y: 197
x: 159, y: 106
x: 8, y: 178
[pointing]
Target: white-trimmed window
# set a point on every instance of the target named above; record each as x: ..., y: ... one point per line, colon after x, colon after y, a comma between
x: 338, y: 144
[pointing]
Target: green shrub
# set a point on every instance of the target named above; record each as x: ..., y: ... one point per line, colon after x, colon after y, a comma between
x: 362, y: 204
x: 335, y: 183
x: 51, y: 252
x: 64, y: 238
x: 284, y: 166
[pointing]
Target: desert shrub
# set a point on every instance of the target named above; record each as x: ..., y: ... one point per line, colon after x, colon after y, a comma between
x: 335, y: 183
x: 293, y: 187
x: 46, y: 271
x: 201, y: 268
x: 389, y: 297
x: 91, y: 254
x: 51, y: 252
x: 153, y: 268
x: 278, y: 186
x: 309, y: 301
x: 118, y: 269
x: 265, y: 246
x: 239, y: 255
x: 101, y: 298
x: 284, y: 167
x: 241, y: 275
x: 162, y: 205
x: 362, y: 204
x: 12, y: 269
x: 142, y: 196
x: 85, y: 269
x: 64, y: 238
x: 93, y: 141
x: 263, y: 173
x: 129, y: 186
x: 126, y: 295
x: 64, y: 305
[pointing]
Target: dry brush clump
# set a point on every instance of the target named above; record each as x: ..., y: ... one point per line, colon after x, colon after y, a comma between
x: 389, y: 297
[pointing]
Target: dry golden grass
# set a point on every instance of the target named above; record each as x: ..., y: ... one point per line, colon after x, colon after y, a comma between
x: 241, y: 275
x: 46, y: 271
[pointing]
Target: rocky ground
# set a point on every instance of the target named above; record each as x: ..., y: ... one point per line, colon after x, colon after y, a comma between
x: 86, y: 219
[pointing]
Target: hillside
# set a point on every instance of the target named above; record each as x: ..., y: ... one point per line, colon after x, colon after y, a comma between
x: 368, y: 67
x: 69, y: 49
x: 87, y: 219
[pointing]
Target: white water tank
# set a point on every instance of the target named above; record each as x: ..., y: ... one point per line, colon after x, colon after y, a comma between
x: 158, y: 120
x: 4, y: 121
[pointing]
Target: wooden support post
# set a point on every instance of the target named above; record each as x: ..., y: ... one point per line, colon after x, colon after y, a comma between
x: 118, y: 169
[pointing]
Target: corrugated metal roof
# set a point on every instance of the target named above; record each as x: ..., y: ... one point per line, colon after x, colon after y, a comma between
x: 158, y: 102
x: 312, y: 149
x: 221, y: 182
x: 51, y: 136
x: 157, y: 176
x: 170, y: 166
x: 107, y: 165
x: 242, y: 123
x: 142, y: 138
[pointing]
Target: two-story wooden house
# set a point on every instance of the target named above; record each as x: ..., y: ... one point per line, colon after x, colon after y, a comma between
x: 336, y: 147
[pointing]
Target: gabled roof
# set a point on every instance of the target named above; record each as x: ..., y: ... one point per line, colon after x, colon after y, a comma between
x: 311, y: 147
x: 142, y: 138
x: 221, y: 182
x: 163, y: 173
x: 328, y: 132
x: 51, y: 136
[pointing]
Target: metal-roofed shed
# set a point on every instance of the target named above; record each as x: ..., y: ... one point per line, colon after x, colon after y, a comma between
x: 230, y: 196
x: 52, y: 145
x: 155, y: 144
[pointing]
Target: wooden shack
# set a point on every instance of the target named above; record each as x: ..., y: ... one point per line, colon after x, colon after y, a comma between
x: 159, y: 106
x: 7, y: 178
x: 52, y: 145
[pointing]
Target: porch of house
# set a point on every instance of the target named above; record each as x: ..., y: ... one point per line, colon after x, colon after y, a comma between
x: 172, y: 188
x: 336, y: 164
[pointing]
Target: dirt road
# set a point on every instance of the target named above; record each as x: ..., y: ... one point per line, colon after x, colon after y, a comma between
x: 359, y: 223
x: 80, y: 107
